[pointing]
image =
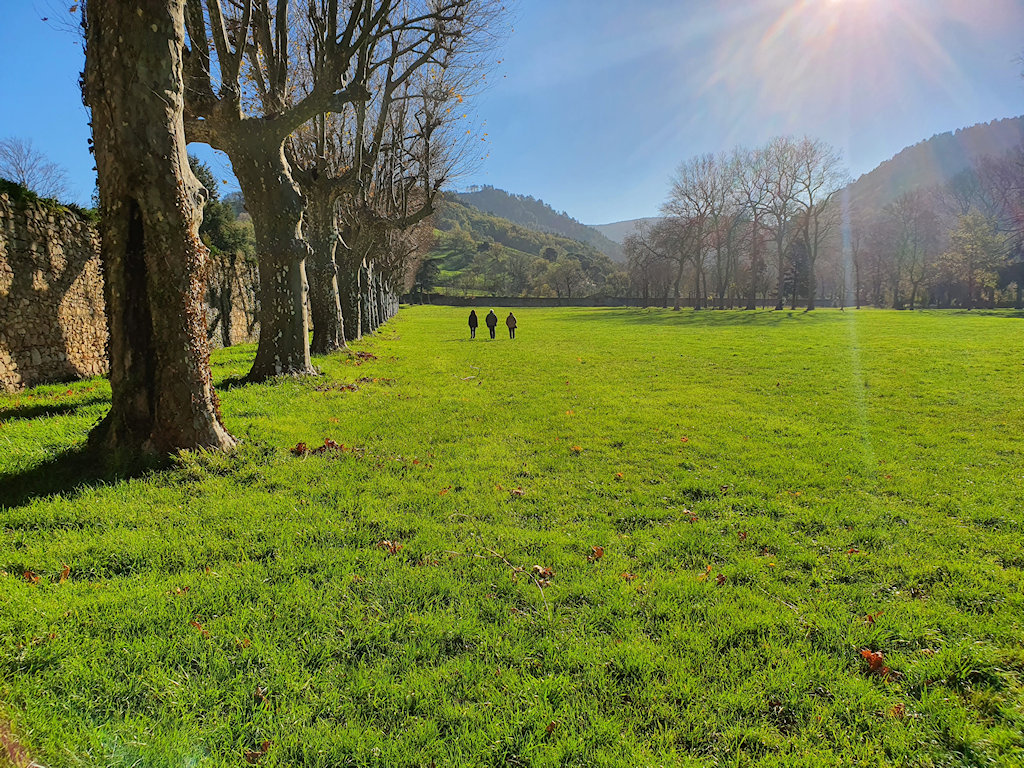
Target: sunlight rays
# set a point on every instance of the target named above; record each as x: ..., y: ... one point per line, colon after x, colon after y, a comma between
x: 820, y: 56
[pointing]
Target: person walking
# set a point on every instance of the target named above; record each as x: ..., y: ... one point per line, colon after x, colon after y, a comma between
x: 492, y: 322
x: 473, y: 323
x: 510, y: 321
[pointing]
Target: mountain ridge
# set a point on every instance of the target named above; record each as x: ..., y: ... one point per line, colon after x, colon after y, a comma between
x: 929, y: 163
x: 935, y: 161
x: 537, y: 215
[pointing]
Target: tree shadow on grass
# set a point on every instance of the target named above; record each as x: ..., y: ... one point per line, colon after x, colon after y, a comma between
x: 1005, y: 314
x: 231, y: 382
x: 45, y: 410
x: 70, y: 473
x: 705, y: 318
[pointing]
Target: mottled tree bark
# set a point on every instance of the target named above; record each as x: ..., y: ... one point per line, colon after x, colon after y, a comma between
x: 349, y: 291
x: 322, y: 271
x: 366, y: 285
x: 154, y: 264
x: 272, y: 199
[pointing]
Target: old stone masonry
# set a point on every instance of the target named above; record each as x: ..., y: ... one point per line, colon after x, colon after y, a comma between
x: 52, y: 321
x: 52, y: 325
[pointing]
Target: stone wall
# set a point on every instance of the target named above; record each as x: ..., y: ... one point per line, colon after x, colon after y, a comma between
x: 231, y: 301
x: 523, y: 301
x: 52, y: 325
x: 52, y: 321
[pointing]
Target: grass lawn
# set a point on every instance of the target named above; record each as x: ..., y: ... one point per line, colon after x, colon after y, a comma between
x: 771, y: 494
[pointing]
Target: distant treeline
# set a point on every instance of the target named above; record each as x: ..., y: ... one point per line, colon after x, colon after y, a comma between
x: 779, y: 221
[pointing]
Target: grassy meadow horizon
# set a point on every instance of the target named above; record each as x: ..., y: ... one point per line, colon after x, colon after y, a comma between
x: 627, y: 537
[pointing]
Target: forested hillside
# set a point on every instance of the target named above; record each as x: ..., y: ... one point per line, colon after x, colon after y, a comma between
x: 479, y: 253
x: 538, y: 215
x: 935, y: 162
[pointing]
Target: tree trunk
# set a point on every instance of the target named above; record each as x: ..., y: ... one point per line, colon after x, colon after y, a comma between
x: 374, y: 286
x: 780, y: 260
x: 675, y: 287
x: 154, y: 264
x: 322, y: 271
x: 273, y: 200
x: 380, y: 299
x: 812, y: 285
x: 365, y: 274
x: 349, y: 270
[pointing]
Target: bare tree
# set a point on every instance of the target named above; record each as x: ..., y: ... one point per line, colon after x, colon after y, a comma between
x: 20, y: 163
x: 751, y: 192
x: 247, y: 49
x: 779, y: 202
x: 916, y: 244
x: 154, y: 264
x: 648, y: 270
x: 698, y: 198
x: 672, y: 241
x: 818, y: 177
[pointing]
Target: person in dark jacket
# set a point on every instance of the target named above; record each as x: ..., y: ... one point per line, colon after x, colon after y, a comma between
x: 492, y: 322
x: 510, y: 321
x: 473, y: 323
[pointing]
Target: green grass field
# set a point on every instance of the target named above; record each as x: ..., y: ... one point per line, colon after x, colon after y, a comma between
x: 772, y: 493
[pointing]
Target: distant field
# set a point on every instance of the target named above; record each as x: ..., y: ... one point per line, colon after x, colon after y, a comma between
x: 776, y: 499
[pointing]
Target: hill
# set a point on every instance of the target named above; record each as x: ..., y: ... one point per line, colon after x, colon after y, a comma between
x: 488, y: 254
x: 936, y: 161
x: 535, y: 214
x: 618, y: 231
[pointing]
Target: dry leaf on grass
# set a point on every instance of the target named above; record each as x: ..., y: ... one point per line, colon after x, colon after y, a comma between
x: 876, y: 664
x: 393, y: 547
x: 255, y: 755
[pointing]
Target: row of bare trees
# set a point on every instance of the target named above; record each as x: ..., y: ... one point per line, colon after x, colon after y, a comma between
x: 778, y: 223
x: 734, y: 222
x: 339, y: 120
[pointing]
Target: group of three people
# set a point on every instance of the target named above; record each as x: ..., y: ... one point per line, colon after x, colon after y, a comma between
x: 492, y: 321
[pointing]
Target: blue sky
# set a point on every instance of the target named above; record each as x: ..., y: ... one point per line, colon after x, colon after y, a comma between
x: 596, y: 102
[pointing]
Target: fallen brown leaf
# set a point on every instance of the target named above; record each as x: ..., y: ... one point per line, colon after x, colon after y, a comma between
x: 393, y: 547
x: 255, y: 755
